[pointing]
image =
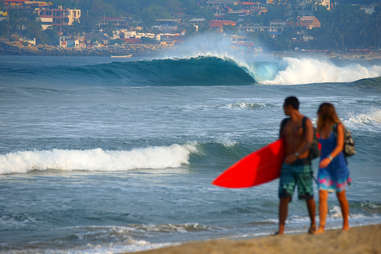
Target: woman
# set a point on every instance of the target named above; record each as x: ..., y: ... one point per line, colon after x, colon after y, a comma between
x: 333, y: 173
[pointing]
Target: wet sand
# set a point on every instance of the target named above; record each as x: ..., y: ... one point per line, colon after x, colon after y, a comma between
x: 359, y: 240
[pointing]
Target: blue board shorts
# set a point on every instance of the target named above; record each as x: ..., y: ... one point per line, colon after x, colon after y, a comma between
x: 296, y: 175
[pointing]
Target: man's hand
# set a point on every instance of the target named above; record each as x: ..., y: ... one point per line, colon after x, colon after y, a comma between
x: 290, y: 158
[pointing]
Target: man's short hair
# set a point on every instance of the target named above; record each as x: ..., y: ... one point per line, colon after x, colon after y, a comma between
x: 292, y: 101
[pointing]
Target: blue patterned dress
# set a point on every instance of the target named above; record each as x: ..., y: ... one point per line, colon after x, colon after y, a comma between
x: 335, y: 177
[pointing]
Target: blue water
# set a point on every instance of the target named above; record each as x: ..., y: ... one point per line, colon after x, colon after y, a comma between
x: 99, y: 156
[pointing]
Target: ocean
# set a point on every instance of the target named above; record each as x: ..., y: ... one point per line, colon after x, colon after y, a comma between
x: 105, y: 155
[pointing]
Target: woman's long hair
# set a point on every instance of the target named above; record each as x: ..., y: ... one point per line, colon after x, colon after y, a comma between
x: 326, y: 115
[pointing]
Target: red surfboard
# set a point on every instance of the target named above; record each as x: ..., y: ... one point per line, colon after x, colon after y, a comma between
x: 256, y: 168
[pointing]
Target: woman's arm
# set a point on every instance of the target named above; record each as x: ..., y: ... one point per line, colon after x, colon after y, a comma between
x: 339, y: 147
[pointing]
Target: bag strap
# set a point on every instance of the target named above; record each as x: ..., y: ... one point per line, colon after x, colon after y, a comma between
x: 304, y: 124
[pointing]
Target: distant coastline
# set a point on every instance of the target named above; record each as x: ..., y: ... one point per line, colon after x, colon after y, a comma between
x: 6, y: 49
x: 366, y: 54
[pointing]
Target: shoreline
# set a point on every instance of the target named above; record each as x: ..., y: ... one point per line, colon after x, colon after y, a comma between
x: 360, y: 239
x: 368, y: 54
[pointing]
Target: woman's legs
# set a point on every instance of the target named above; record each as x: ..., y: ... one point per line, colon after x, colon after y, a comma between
x: 323, y: 210
x: 344, y: 209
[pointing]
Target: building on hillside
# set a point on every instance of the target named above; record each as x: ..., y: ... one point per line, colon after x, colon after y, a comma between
x: 70, y: 42
x: 219, y: 24
x: 368, y: 9
x: 169, y: 20
x: 116, y: 21
x: 58, y: 17
x: 307, y: 38
x: 132, y: 40
x: 169, y: 39
x: 26, y: 4
x: 274, y: 28
x: 257, y: 8
x: 197, y: 20
x: 278, y: 2
x: 241, y: 41
x: 241, y: 12
x: 252, y: 5
x: 133, y: 36
x: 326, y: 4
x: 215, y: 3
x: 309, y: 22
x: 196, y: 23
x: 253, y: 28
x: 277, y: 26
x: 220, y: 7
x: 28, y: 42
x: 3, y: 15
x: 165, y: 28
x: 167, y: 25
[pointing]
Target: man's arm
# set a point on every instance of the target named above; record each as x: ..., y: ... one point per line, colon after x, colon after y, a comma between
x: 308, y: 137
x: 281, y: 128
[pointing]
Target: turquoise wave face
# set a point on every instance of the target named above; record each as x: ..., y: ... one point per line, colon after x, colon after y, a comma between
x: 370, y: 83
x: 192, y: 71
x: 169, y: 72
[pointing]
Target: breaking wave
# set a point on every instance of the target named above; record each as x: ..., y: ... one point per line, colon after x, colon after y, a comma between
x: 191, y: 155
x: 202, y: 70
x: 312, y: 70
x: 97, y: 159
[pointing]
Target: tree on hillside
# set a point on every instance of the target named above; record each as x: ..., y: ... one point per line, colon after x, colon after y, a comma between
x: 346, y: 27
x: 24, y: 22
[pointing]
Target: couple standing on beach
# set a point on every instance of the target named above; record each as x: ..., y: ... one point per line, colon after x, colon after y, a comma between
x: 333, y: 175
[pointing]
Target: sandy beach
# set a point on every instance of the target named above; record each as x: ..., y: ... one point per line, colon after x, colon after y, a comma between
x: 364, y: 239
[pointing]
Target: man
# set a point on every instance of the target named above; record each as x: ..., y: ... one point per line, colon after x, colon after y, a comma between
x: 297, y: 134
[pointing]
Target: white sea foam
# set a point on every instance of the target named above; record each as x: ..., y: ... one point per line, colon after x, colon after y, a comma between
x: 370, y: 121
x: 373, y: 117
x: 227, y: 141
x: 16, y: 222
x: 335, y: 212
x: 313, y: 70
x: 246, y: 105
x: 97, y: 159
x: 110, y: 248
x: 129, y: 246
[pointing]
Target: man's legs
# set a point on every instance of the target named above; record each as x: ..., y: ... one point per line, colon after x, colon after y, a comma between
x: 311, y: 207
x: 305, y: 191
x: 283, y: 212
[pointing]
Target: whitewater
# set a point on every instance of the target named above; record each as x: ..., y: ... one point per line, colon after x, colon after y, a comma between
x: 105, y: 156
x: 172, y: 156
